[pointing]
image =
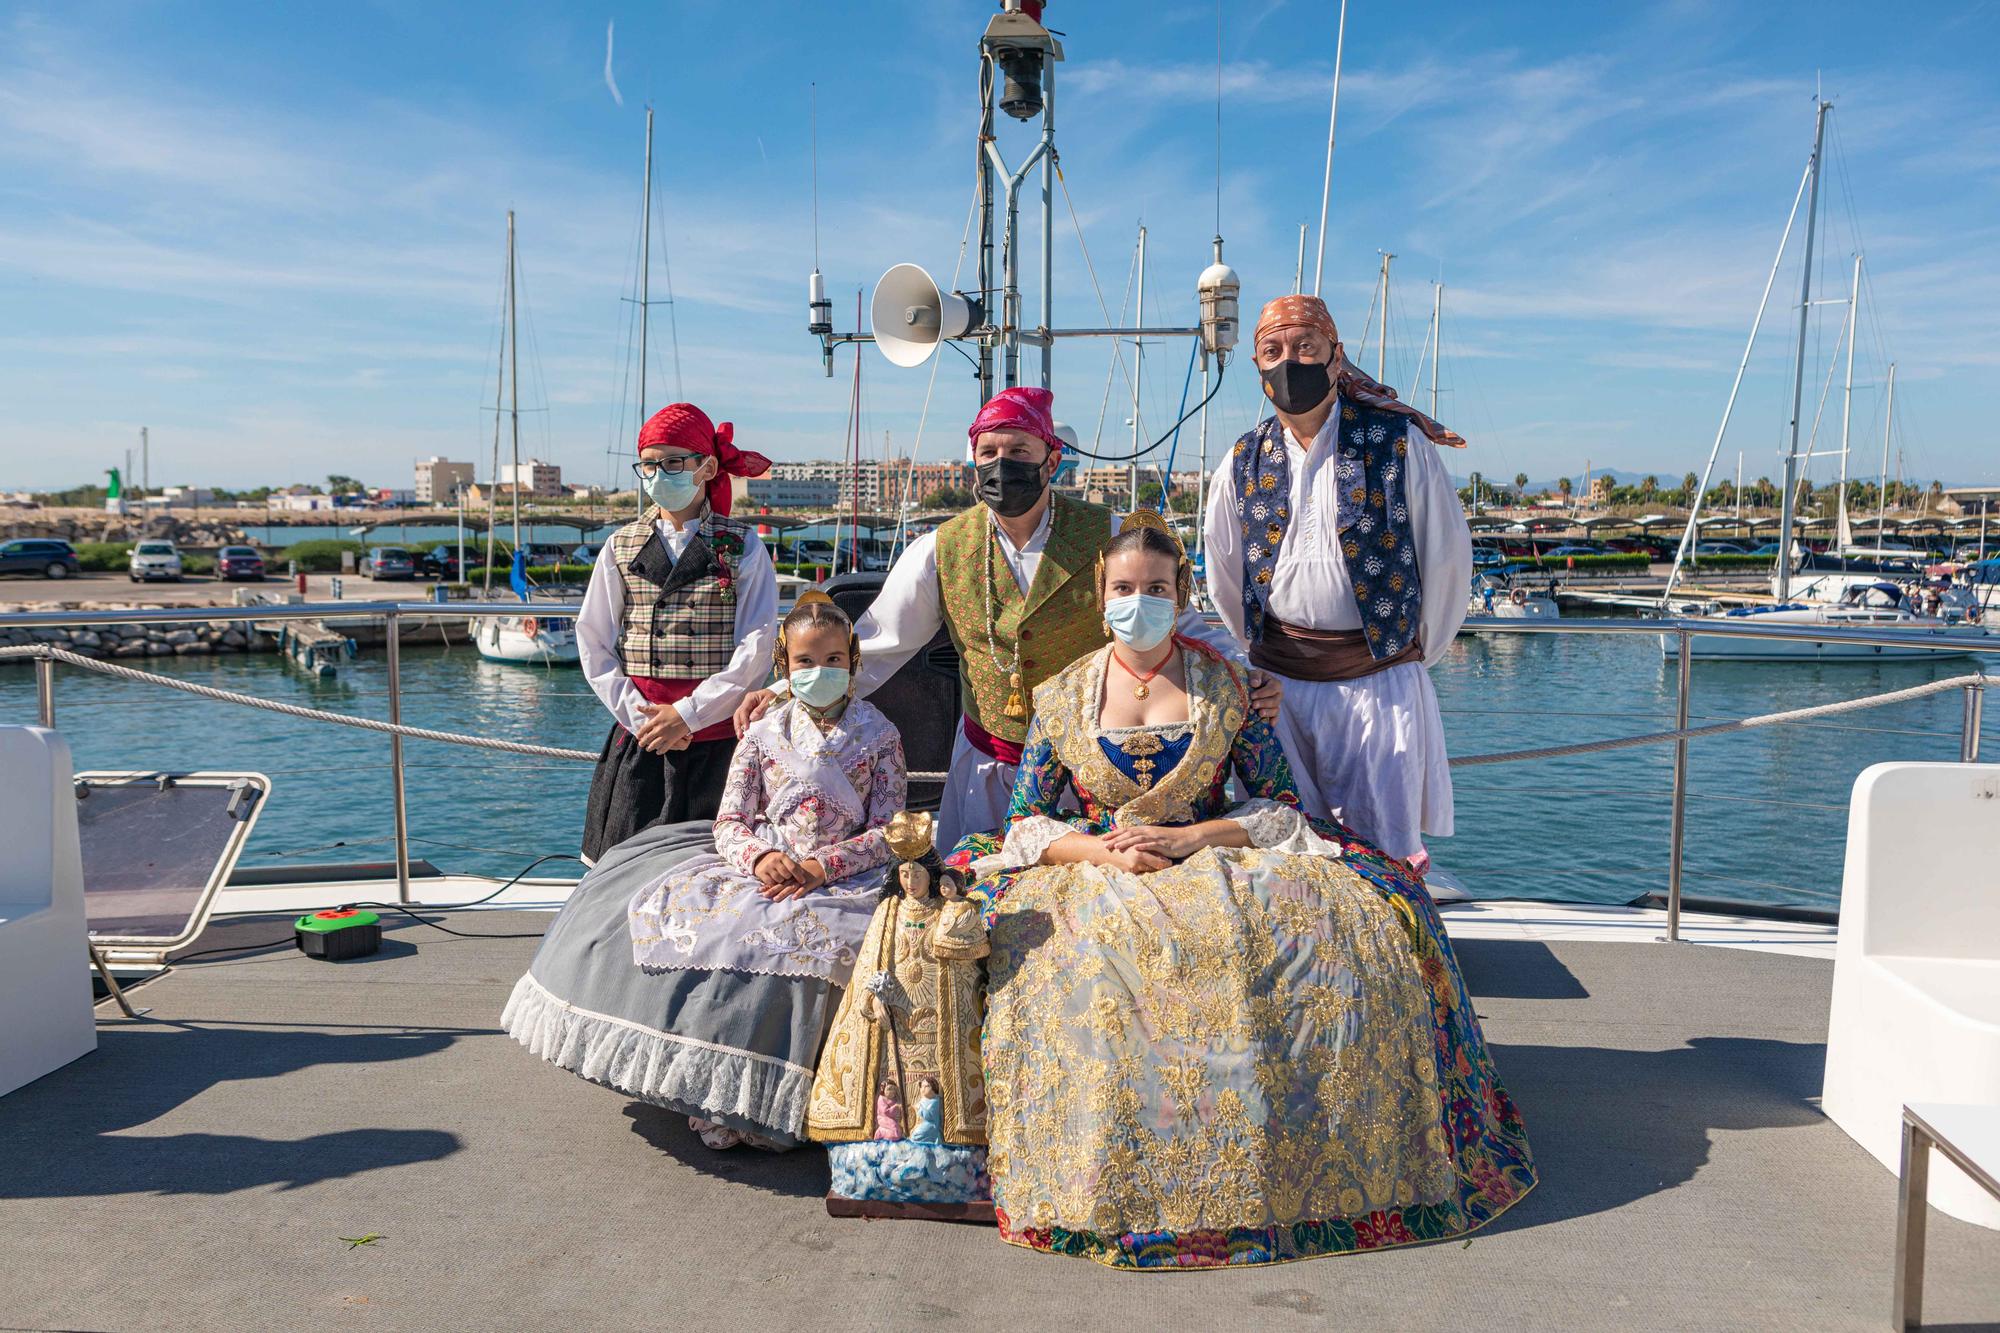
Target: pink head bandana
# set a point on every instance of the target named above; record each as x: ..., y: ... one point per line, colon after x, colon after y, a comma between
x: 1020, y: 408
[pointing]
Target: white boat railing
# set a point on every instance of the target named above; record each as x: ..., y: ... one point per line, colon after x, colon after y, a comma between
x: 48, y: 655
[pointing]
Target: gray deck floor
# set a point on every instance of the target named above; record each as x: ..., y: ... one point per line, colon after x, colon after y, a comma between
x: 201, y: 1167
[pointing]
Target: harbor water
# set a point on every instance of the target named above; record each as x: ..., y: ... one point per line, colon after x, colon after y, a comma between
x: 1766, y: 810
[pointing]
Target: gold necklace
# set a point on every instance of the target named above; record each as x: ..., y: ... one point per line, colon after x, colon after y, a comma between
x: 1144, y: 685
x: 1015, y: 707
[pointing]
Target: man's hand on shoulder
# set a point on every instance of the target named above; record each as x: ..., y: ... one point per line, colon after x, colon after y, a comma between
x: 755, y: 704
x: 1267, y: 694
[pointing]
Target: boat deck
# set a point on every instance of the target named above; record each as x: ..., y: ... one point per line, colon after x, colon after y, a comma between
x: 202, y: 1167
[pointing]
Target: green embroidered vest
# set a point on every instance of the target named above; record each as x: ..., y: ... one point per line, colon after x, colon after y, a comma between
x: 1054, y: 623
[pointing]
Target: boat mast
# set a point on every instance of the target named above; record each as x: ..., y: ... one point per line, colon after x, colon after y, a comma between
x: 499, y: 383
x: 1437, y: 342
x: 1382, y: 348
x: 514, y: 377
x: 1889, y: 420
x: 1841, y: 535
x: 1138, y: 365
x: 1332, y: 120
x: 1784, y: 588
x: 645, y: 272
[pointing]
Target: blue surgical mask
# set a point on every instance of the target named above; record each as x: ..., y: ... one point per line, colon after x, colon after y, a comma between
x: 819, y: 687
x: 1141, y: 621
x: 673, y: 491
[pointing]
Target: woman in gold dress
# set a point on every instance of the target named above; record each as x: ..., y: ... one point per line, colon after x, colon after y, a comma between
x: 1216, y: 1034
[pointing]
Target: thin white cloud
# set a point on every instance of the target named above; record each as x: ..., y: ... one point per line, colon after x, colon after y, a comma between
x: 610, y: 80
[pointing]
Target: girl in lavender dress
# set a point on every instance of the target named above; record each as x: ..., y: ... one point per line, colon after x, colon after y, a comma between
x: 714, y: 995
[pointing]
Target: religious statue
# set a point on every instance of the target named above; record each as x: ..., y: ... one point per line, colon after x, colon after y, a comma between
x: 900, y: 1095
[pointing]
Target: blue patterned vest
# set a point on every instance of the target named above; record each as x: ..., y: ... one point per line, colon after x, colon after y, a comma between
x: 1376, y: 542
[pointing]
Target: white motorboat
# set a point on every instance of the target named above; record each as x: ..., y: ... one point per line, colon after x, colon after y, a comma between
x: 1506, y: 596
x: 531, y: 638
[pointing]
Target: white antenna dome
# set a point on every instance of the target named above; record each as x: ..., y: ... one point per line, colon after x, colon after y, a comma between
x: 1218, y: 287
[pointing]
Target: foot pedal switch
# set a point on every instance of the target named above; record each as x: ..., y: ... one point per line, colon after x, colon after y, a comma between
x: 338, y: 934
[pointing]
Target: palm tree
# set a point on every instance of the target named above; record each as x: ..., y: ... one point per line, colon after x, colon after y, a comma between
x: 1565, y: 486
x: 1521, y: 484
x: 1648, y: 485
x: 1765, y: 490
x: 1688, y: 483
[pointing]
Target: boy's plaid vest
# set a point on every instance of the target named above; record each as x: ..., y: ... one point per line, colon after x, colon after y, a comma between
x: 1056, y: 622
x: 680, y: 615
x: 1376, y: 541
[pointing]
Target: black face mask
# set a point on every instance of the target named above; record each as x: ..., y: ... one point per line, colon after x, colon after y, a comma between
x: 1296, y: 387
x: 1010, y: 487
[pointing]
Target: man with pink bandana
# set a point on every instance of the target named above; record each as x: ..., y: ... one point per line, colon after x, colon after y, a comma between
x: 1014, y: 581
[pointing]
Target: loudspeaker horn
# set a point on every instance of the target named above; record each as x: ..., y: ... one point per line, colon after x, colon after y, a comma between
x: 911, y: 316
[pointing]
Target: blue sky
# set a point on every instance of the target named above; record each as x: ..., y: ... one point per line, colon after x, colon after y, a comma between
x: 275, y: 237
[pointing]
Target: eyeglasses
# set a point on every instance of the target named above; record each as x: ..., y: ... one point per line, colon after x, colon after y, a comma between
x: 647, y: 468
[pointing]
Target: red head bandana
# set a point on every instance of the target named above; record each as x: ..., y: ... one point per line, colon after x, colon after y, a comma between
x: 1020, y: 408
x: 685, y: 426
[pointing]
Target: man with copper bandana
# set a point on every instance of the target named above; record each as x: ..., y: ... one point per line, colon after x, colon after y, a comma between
x: 1014, y: 580
x: 1339, y: 556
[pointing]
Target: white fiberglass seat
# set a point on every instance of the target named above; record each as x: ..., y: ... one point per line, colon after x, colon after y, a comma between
x: 1916, y: 983
x: 46, y: 1017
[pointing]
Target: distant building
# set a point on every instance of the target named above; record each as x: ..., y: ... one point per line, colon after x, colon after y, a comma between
x: 182, y: 497
x: 483, y: 495
x: 382, y: 495
x: 300, y: 500
x: 438, y: 479
x: 1973, y: 500
x: 773, y: 491
x: 534, y: 477
x: 927, y: 479
x: 579, y: 490
x: 1600, y: 492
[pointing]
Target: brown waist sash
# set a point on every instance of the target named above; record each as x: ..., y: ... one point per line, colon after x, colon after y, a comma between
x: 1322, y: 654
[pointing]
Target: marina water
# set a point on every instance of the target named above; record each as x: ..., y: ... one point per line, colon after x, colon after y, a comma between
x: 1766, y: 811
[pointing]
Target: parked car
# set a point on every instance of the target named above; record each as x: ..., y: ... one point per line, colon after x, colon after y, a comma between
x: 811, y: 553
x: 1487, y: 557
x: 545, y: 553
x: 585, y: 553
x: 1573, y: 548
x: 42, y: 557
x: 441, y: 561
x: 239, y: 562
x: 1768, y: 548
x: 155, y: 560
x: 389, y: 562
x: 1718, y: 548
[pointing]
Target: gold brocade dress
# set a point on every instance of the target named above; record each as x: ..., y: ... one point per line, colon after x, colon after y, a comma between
x: 1254, y: 1055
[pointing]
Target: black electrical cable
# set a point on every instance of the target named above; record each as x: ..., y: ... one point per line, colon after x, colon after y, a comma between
x: 398, y: 907
x: 1135, y: 457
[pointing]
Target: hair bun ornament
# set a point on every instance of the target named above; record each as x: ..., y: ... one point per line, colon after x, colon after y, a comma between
x: 1150, y: 518
x: 812, y: 595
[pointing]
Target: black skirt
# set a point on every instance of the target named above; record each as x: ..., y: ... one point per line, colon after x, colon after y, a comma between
x: 635, y: 789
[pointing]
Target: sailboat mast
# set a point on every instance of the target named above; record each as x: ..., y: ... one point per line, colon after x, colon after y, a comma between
x: 1138, y: 365
x: 514, y: 377
x: 1437, y: 341
x: 499, y: 383
x: 1382, y: 349
x: 1332, y: 121
x: 1784, y: 588
x: 1888, y: 421
x: 1840, y: 532
x: 645, y: 272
